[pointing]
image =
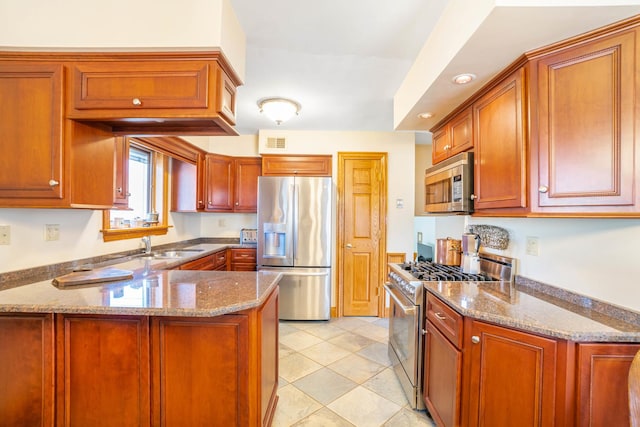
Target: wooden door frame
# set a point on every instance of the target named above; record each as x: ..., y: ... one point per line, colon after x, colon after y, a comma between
x: 342, y: 156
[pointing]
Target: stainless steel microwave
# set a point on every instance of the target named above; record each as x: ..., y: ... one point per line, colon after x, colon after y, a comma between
x: 449, y: 185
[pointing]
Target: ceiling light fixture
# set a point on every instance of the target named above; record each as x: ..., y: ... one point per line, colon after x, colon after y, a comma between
x: 462, y: 79
x: 425, y: 115
x: 279, y: 109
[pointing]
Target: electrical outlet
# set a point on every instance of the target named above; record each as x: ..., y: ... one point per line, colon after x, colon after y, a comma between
x: 533, y: 246
x: 222, y: 223
x: 5, y: 235
x: 51, y: 232
x: 419, y: 237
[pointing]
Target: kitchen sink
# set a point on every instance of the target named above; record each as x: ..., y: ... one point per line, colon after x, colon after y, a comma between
x: 169, y: 254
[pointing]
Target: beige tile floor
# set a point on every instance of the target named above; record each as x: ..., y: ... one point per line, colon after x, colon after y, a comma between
x: 337, y: 373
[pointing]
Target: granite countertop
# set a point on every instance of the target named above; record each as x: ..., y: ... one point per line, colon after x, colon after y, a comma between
x: 154, y: 290
x: 522, y: 308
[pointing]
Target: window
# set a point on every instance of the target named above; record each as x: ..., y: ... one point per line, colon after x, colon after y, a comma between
x: 146, y: 173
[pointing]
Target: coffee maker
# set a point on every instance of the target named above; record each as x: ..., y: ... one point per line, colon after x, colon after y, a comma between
x: 470, y: 262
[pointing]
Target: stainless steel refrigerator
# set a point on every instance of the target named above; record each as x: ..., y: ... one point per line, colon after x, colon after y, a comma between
x: 294, y: 237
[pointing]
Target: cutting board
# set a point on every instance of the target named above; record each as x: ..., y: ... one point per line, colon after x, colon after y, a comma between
x: 93, y: 276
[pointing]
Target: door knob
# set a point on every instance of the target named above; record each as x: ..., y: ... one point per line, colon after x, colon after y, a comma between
x: 349, y: 246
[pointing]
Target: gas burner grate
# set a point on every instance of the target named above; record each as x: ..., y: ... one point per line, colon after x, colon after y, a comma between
x: 429, y: 271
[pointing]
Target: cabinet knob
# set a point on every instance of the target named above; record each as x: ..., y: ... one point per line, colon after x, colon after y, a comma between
x: 475, y: 339
x: 237, y: 203
x: 474, y: 197
x: 53, y: 182
x: 424, y: 332
x: 349, y: 245
x: 136, y: 101
x: 119, y: 189
x: 543, y: 189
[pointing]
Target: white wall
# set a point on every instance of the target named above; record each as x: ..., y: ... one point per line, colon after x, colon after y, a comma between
x: 80, y: 236
x: 124, y: 25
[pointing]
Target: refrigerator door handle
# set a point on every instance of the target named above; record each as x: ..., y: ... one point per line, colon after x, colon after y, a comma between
x: 293, y: 273
x: 295, y: 215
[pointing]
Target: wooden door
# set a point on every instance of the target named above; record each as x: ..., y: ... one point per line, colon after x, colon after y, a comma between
x: 201, y: 371
x: 499, y: 141
x: 586, y: 145
x: 26, y: 370
x: 121, y: 187
x: 511, y: 377
x: 442, y: 378
x: 103, y: 371
x: 602, y: 384
x: 247, y: 171
x: 361, y: 244
x: 219, y: 183
x: 31, y: 128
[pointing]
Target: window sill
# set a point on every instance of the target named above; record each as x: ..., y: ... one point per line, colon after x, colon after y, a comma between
x: 112, y: 234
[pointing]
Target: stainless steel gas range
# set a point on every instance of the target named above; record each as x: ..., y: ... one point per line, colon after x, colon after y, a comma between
x: 405, y: 287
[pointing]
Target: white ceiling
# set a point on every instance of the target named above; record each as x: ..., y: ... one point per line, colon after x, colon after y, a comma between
x: 344, y: 60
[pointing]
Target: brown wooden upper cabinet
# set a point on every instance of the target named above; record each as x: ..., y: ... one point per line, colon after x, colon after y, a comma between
x: 165, y: 94
x: 554, y: 134
x: 121, y: 187
x: 290, y: 165
x: 45, y: 156
x: 587, y: 123
x: 454, y: 137
x: 231, y: 183
x: 500, y: 155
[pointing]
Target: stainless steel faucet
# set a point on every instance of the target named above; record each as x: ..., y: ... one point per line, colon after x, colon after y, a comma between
x: 147, y: 244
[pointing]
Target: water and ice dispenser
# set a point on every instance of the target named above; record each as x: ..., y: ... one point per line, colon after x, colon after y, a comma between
x: 275, y: 239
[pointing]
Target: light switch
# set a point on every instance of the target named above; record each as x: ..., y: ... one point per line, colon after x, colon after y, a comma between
x: 399, y: 203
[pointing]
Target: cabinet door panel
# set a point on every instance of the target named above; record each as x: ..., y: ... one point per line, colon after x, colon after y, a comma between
x: 31, y: 128
x: 201, y: 371
x: 499, y: 161
x: 220, y: 185
x: 602, y: 383
x: 441, y: 142
x: 442, y: 378
x: 103, y: 371
x: 586, y: 124
x: 247, y: 171
x: 26, y: 370
x: 512, y: 378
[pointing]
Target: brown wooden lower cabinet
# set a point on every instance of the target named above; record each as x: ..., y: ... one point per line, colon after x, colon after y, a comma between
x: 602, y: 384
x: 498, y: 376
x: 200, y: 371
x: 511, y: 377
x: 243, y: 259
x: 443, y: 373
x: 26, y: 370
x: 103, y: 371
x: 112, y: 370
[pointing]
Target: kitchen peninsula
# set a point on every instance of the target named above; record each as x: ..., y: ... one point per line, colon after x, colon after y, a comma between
x: 167, y: 347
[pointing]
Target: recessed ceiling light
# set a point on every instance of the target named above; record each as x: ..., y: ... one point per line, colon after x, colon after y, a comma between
x: 462, y: 79
x: 425, y: 115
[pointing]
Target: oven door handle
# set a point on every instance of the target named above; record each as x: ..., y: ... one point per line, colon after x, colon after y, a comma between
x: 394, y: 294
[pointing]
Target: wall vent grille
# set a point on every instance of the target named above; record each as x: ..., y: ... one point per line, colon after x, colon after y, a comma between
x: 279, y: 143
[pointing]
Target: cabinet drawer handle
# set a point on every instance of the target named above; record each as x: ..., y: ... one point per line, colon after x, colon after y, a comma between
x: 543, y: 189
x: 475, y: 339
x: 440, y: 316
x: 53, y: 182
x: 136, y: 101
